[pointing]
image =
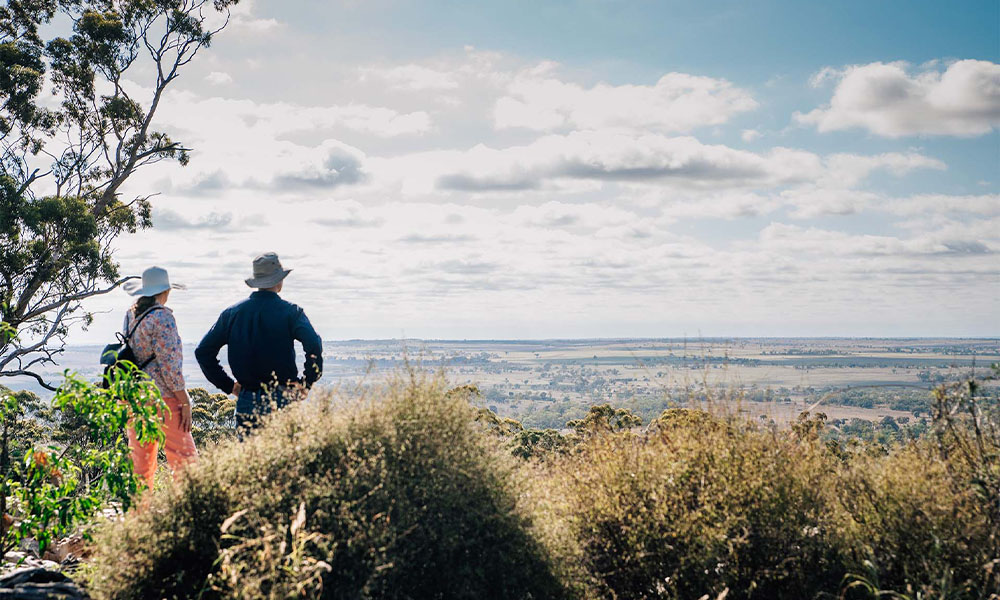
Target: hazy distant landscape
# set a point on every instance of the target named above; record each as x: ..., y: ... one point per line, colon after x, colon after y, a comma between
x: 545, y: 383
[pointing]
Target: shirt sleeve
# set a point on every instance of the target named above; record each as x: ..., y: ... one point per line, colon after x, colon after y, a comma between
x: 312, y: 345
x: 169, y: 350
x: 207, y: 354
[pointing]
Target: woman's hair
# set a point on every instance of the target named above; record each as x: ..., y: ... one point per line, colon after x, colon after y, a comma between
x: 143, y: 304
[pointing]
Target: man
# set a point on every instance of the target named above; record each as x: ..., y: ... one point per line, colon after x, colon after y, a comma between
x: 260, y: 332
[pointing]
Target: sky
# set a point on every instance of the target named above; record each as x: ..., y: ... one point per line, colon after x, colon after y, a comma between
x: 588, y: 168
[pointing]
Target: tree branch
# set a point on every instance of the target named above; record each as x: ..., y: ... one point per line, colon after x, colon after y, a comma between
x: 36, y: 376
x: 76, y: 297
x: 31, y: 179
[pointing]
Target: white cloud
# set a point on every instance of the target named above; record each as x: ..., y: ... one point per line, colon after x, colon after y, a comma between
x: 412, y: 77
x: 807, y: 203
x: 823, y: 75
x: 726, y: 205
x: 242, y: 143
x: 847, y: 170
x: 420, y: 262
x: 536, y: 99
x: 577, y: 216
x: 227, y: 116
x: 792, y: 238
x: 331, y: 165
x: 963, y: 100
x: 399, y: 213
x: 591, y: 158
x: 981, y: 205
x: 607, y: 156
x: 218, y: 78
x: 347, y: 214
x: 749, y: 135
x: 167, y: 219
x: 243, y: 17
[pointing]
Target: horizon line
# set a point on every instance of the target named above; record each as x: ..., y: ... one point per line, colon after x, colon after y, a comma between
x: 656, y: 339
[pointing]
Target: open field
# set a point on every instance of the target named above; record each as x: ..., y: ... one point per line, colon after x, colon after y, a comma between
x: 546, y: 381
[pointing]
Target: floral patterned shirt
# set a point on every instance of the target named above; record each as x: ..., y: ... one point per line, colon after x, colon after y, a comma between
x: 157, y: 334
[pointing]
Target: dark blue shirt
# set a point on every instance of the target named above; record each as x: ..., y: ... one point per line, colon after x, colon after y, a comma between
x: 260, y: 332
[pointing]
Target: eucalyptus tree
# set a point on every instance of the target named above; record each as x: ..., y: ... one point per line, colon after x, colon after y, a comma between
x: 66, y: 155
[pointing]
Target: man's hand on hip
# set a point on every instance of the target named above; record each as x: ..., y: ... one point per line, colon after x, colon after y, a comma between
x: 237, y: 388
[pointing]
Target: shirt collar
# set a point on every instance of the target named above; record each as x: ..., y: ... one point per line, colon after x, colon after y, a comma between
x: 264, y: 294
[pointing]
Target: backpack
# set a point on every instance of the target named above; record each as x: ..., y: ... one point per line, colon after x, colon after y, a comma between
x: 114, y: 354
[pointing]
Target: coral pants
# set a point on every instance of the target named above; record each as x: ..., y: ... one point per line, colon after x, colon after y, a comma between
x: 179, y: 445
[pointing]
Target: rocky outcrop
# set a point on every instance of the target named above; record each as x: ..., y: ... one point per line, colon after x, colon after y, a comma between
x: 39, y: 584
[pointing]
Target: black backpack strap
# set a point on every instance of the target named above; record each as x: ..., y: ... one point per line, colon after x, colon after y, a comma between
x: 128, y: 335
x: 135, y: 326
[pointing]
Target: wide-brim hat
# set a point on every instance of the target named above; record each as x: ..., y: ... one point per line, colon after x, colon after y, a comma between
x: 267, y: 271
x: 154, y: 280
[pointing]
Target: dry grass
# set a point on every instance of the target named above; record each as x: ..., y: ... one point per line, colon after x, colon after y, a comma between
x: 400, y: 498
x: 405, y: 496
x: 706, y: 505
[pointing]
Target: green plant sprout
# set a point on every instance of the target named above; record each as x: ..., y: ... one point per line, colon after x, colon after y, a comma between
x: 54, y: 496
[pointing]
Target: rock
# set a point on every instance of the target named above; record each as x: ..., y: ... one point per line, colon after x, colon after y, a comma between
x: 71, y: 547
x: 39, y: 584
x: 18, y: 561
x: 29, y: 545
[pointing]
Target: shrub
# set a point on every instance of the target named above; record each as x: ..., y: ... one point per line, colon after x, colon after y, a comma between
x: 695, y: 507
x: 538, y: 443
x: 24, y: 424
x: 59, y: 488
x: 212, y: 417
x: 401, y: 498
x: 705, y: 505
x: 522, y: 443
x: 418, y: 495
x: 602, y: 418
x: 913, y: 527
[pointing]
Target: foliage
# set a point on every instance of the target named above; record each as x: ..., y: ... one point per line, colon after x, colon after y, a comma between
x: 213, y: 419
x: 907, y: 399
x: 706, y: 505
x: 7, y: 332
x: 602, y: 418
x: 913, y: 526
x: 404, y: 497
x: 867, y: 586
x: 20, y: 431
x: 25, y: 423
x: 539, y: 443
x: 523, y: 443
x: 695, y: 507
x: 967, y: 431
x: 688, y: 419
x: 64, y: 162
x: 886, y: 432
x: 503, y: 428
x: 554, y: 414
x: 54, y: 492
x: 415, y: 494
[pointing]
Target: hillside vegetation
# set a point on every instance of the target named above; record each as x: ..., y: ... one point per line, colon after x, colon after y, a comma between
x: 413, y: 493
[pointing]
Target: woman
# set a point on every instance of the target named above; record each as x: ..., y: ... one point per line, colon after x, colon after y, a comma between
x: 156, y: 337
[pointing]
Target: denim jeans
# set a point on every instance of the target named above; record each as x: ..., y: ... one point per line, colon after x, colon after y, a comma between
x: 251, y: 406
